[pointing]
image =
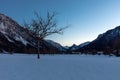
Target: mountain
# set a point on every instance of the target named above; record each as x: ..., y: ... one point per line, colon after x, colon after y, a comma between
x: 74, y: 47
x: 83, y: 44
x: 15, y: 38
x: 108, y: 40
x: 57, y: 45
x: 66, y: 47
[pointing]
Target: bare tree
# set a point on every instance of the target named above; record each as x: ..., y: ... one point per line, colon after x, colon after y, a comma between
x: 43, y: 27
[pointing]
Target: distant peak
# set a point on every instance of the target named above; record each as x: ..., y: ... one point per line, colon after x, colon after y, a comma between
x: 74, y: 45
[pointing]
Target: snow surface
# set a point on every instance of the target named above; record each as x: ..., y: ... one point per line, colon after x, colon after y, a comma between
x: 59, y: 67
x: 2, y: 26
x: 19, y: 38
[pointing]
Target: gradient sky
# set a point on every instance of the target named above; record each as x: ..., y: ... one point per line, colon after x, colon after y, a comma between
x: 88, y: 18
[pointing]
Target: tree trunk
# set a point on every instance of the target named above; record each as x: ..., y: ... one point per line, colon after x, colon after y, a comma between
x: 38, y: 51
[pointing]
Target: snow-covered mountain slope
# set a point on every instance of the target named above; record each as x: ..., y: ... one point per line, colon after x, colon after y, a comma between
x: 84, y: 44
x: 75, y: 47
x: 12, y: 30
x: 57, y: 45
x: 14, y: 38
x: 66, y: 47
x: 109, y: 39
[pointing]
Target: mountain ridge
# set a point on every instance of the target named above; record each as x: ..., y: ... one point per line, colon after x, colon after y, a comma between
x: 104, y: 41
x: 15, y: 38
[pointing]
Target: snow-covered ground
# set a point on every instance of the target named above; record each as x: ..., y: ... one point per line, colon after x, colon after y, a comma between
x: 59, y: 67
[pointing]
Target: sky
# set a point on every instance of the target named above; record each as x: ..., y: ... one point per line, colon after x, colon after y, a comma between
x: 87, y: 18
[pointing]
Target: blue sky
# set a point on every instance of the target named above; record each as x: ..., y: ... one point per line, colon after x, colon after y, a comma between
x: 88, y: 18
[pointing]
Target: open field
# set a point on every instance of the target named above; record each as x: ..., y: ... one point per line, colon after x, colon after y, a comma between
x: 59, y: 67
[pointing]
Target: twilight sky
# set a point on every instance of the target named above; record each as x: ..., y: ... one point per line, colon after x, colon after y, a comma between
x: 88, y: 18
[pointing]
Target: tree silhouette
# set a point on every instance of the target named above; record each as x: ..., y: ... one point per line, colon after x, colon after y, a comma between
x: 43, y: 27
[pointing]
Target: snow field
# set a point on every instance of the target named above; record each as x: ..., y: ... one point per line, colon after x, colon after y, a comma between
x: 59, y: 67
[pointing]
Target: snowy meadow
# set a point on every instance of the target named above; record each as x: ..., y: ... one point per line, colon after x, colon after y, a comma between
x: 59, y: 67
